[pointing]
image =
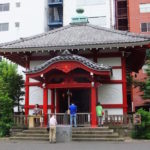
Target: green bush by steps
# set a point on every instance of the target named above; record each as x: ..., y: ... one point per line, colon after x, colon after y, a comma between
x: 142, y: 131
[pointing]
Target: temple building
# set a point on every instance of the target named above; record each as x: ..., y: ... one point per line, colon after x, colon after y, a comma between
x: 79, y: 62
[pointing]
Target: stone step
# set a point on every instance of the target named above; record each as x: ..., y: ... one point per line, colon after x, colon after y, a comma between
x: 89, y: 128
x: 114, y: 135
x: 30, y: 138
x: 38, y: 128
x: 35, y: 131
x: 97, y: 139
x: 31, y: 135
x: 93, y: 132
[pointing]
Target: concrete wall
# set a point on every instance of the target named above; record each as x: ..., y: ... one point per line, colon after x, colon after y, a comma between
x: 99, y: 12
x: 31, y: 15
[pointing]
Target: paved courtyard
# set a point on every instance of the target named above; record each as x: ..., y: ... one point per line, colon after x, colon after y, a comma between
x: 34, y: 145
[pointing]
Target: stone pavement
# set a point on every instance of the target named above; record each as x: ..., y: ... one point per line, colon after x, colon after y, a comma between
x: 35, y: 145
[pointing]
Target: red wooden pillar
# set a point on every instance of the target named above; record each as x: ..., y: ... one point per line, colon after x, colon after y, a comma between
x: 124, y: 87
x: 52, y: 101
x: 57, y: 102
x: 45, y: 104
x: 26, y: 107
x: 27, y: 96
x: 93, y: 106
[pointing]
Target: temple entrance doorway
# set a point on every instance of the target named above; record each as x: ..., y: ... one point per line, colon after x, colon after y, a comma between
x: 80, y: 97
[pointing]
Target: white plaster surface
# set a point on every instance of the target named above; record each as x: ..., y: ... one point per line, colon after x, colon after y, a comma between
x: 36, y: 63
x: 114, y: 111
x: 110, y: 94
x: 111, y: 61
x: 35, y: 95
x: 27, y: 15
x: 117, y: 74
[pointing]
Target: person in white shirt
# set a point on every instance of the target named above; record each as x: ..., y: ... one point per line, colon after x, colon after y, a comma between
x: 52, y: 131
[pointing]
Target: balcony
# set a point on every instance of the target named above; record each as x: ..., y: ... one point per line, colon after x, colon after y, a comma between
x: 54, y: 3
x: 55, y: 23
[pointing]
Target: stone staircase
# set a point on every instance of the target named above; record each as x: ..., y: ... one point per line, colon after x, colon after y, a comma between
x: 78, y: 134
x: 95, y: 134
x: 31, y: 134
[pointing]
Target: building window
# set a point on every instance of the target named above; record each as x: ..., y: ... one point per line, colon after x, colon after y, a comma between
x: 4, y: 27
x: 145, y: 27
x: 17, y: 24
x: 90, y: 2
x: 4, y: 7
x: 145, y: 8
x: 17, y: 4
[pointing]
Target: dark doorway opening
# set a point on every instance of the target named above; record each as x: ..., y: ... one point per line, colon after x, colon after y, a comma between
x: 80, y: 97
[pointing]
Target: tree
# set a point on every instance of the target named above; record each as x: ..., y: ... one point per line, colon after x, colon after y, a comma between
x: 11, y: 92
x: 145, y: 85
x: 14, y: 81
x: 146, y: 88
x: 6, y: 107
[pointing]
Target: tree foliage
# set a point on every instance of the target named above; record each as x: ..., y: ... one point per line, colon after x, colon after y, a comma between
x: 142, y: 131
x: 11, y: 84
x: 145, y: 85
x: 6, y: 107
x: 146, y: 88
x: 14, y: 81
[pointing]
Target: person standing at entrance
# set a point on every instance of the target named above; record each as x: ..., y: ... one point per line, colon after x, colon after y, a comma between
x: 52, y: 130
x: 99, y: 112
x: 73, y: 114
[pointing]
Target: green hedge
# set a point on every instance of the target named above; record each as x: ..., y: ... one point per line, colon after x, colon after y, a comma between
x: 142, y: 131
x: 4, y: 129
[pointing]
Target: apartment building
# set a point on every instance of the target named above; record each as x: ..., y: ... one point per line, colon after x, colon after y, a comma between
x: 23, y: 18
x: 134, y: 16
x: 139, y: 22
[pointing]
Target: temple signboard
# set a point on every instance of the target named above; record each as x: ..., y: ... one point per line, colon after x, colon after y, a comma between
x: 137, y: 119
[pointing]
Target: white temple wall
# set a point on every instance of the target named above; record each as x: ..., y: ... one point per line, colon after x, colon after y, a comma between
x: 116, y: 74
x: 114, y: 111
x: 35, y: 95
x: 111, y: 61
x: 110, y: 94
x: 34, y: 64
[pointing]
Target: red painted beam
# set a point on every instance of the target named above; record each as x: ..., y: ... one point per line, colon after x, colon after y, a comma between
x: 112, y: 105
x: 69, y: 85
x: 40, y: 106
x: 33, y: 84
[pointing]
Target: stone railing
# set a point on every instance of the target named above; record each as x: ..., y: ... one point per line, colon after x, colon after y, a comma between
x: 83, y: 119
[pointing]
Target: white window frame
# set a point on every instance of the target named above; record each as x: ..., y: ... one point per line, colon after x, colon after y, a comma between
x: 144, y: 8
